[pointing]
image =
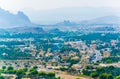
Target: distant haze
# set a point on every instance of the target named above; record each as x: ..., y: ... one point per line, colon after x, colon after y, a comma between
x: 52, y: 11
x: 75, y: 14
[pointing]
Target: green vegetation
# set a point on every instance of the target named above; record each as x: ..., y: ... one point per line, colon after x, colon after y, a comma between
x: 1, y: 77
x: 117, y: 77
x: 45, y: 41
x: 102, y: 73
x: 31, y: 73
x: 67, y: 49
x: 105, y: 76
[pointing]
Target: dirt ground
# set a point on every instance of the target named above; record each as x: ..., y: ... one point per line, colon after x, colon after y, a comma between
x: 64, y: 75
x: 71, y: 77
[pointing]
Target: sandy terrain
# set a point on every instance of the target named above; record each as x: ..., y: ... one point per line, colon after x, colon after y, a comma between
x: 65, y: 75
x: 71, y: 77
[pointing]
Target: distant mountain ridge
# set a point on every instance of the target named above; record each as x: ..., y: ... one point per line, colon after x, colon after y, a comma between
x: 99, y: 20
x: 105, y: 23
x: 20, y: 23
x: 70, y: 13
x: 8, y: 20
x: 66, y: 23
x: 103, y: 20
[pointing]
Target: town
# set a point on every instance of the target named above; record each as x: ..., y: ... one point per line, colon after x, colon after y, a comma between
x: 59, y: 52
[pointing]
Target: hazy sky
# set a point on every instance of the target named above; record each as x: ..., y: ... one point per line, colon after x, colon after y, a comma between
x: 15, y: 5
x: 31, y: 7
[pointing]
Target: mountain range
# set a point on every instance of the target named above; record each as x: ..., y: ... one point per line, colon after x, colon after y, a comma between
x: 10, y: 20
x: 100, y: 20
x: 103, y: 20
x: 21, y: 23
x: 74, y: 14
